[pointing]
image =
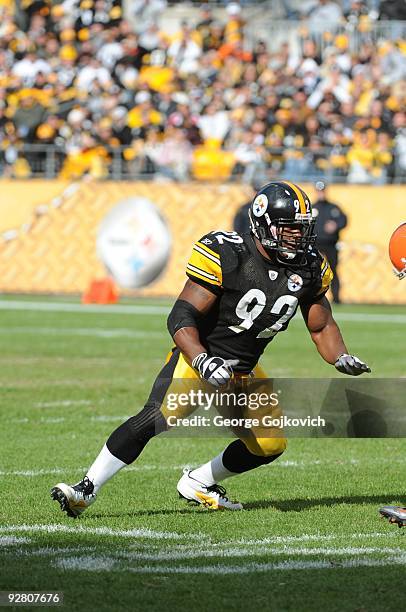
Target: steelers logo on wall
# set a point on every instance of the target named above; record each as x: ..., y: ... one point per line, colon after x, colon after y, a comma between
x: 134, y: 243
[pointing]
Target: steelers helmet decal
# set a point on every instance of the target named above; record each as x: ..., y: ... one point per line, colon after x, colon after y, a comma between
x: 260, y: 205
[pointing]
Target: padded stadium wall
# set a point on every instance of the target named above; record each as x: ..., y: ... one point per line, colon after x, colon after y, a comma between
x: 50, y: 234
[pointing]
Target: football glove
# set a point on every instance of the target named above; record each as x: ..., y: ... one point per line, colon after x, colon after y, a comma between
x: 349, y: 364
x: 216, y: 370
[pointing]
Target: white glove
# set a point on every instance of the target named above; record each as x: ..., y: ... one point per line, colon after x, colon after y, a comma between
x: 349, y: 364
x: 216, y: 370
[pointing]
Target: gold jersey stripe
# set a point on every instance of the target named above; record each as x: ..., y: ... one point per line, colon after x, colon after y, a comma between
x: 326, y: 277
x: 203, y: 272
x: 299, y: 196
x: 208, y: 255
x: 207, y: 280
x: 205, y: 248
x: 206, y: 265
x: 324, y: 266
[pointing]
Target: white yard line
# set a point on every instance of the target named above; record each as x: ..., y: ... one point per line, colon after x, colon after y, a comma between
x: 32, y: 473
x: 48, y: 421
x: 48, y: 551
x: 102, y: 531
x: 308, y: 538
x: 359, y: 317
x: 356, y: 556
x: 13, y: 541
x: 150, y: 468
x: 103, y: 563
x: 150, y: 552
x: 103, y: 418
x: 147, y: 533
x: 85, y: 309
x: 201, y: 549
x: 87, y: 563
x: 179, y: 555
x: 62, y: 403
x: 109, y: 418
x: 250, y: 568
x: 50, y: 471
x: 84, y: 331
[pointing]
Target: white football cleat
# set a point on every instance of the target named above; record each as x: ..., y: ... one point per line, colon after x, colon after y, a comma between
x: 74, y: 499
x: 395, y: 514
x: 212, y: 497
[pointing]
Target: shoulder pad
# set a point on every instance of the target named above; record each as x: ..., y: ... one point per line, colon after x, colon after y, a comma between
x: 205, y: 263
x: 215, y: 254
x: 222, y: 238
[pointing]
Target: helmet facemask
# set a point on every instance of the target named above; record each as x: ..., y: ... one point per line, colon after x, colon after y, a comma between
x: 287, y: 240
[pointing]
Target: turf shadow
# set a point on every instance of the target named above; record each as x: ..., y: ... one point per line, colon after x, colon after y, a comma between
x: 288, y: 505
x: 297, y: 505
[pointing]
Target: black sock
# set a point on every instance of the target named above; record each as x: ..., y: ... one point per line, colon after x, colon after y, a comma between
x: 127, y: 441
x: 237, y: 458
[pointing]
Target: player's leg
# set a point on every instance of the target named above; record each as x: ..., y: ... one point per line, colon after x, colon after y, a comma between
x: 202, y: 485
x: 254, y: 448
x: 122, y: 447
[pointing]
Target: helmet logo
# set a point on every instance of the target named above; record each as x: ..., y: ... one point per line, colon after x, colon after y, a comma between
x: 295, y: 282
x: 260, y: 205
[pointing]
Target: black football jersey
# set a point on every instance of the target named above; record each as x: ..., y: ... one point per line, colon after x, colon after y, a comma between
x: 256, y: 297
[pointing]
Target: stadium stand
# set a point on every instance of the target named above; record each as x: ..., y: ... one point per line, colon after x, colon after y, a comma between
x: 84, y: 90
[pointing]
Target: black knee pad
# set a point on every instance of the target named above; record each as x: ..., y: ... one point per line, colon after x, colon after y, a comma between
x: 129, y: 439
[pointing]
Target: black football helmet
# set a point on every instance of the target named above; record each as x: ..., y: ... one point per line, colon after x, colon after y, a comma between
x: 282, y: 220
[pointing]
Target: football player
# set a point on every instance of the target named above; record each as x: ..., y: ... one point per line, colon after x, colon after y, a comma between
x: 241, y: 291
x: 397, y: 254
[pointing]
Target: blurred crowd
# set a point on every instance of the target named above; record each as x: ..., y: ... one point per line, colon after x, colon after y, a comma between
x: 331, y: 11
x: 111, y: 97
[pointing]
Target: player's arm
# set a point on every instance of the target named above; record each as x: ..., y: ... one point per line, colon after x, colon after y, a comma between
x: 327, y: 337
x: 197, y: 298
x: 192, y: 304
x: 323, y: 329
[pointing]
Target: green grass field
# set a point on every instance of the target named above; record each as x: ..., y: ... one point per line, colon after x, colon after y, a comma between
x: 310, y: 537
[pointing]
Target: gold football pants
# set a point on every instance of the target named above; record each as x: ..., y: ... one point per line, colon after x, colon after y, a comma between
x: 177, y: 376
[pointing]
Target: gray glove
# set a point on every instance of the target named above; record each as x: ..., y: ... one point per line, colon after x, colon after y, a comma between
x: 349, y: 364
x: 216, y: 370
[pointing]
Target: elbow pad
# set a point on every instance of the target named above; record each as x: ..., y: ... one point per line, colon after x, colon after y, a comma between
x: 183, y: 314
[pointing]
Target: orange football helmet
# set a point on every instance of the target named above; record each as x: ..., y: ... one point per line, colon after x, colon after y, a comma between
x: 397, y: 250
